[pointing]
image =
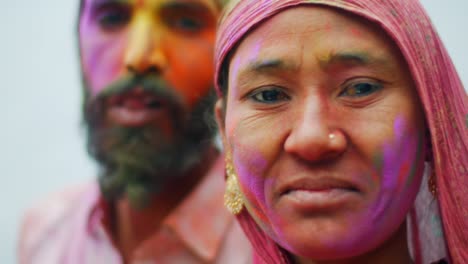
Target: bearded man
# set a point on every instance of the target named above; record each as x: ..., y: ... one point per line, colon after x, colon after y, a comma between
x: 147, y: 71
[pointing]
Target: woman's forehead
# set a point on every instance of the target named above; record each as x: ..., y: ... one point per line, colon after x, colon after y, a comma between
x: 329, y: 34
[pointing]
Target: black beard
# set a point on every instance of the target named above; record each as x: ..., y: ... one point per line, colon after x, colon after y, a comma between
x: 138, y: 162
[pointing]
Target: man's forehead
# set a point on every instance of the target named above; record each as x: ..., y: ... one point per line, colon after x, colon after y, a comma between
x: 213, y: 5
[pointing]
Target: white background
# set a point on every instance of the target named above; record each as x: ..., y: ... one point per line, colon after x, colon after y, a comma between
x: 43, y: 143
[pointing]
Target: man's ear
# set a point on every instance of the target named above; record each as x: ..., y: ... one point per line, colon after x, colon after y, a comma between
x: 219, y: 111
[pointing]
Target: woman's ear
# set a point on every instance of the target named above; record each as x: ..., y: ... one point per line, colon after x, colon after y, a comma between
x: 220, y: 115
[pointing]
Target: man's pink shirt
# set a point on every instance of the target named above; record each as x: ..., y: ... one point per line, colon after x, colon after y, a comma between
x: 68, y: 228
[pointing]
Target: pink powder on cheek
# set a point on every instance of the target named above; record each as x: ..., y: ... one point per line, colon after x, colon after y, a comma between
x: 250, y: 166
x: 408, y: 146
x: 400, y: 165
x: 113, y: 63
x: 103, y: 61
x: 252, y: 186
x: 96, y: 69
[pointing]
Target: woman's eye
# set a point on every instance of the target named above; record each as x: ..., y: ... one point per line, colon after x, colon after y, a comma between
x: 270, y: 96
x: 113, y: 18
x: 361, y: 89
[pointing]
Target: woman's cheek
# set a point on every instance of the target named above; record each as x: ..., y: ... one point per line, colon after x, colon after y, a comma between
x: 401, y: 167
x: 250, y: 166
x: 403, y: 155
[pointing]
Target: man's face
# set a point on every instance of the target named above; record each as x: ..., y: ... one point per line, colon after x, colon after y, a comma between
x: 325, y: 131
x: 167, y: 38
x: 147, y: 65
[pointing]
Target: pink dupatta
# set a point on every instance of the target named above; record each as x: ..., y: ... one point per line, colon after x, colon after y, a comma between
x: 440, y: 89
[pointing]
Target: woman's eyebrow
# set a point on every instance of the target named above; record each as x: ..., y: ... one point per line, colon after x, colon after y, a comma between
x: 268, y: 66
x: 352, y: 58
x: 345, y: 58
x: 264, y: 67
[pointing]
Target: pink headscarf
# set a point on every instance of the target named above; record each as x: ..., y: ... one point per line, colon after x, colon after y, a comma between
x: 439, y: 87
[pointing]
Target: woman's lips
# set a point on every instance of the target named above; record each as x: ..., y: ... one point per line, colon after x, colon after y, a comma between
x: 318, y: 193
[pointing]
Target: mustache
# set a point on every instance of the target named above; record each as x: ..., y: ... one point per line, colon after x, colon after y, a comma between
x: 147, y: 83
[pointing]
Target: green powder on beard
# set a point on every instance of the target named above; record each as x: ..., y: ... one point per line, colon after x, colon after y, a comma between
x: 138, y: 195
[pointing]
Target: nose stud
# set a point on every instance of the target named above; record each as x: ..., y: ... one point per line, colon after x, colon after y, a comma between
x: 331, y: 136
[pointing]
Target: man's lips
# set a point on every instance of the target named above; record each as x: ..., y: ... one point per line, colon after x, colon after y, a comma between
x: 135, y: 100
x: 135, y: 108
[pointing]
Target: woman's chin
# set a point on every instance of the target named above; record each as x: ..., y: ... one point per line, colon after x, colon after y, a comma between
x: 333, y: 241
x: 332, y: 251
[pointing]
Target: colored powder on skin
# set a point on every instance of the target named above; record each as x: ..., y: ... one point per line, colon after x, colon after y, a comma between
x: 404, y: 173
x: 415, y: 169
x: 252, y: 183
x: 251, y: 57
x: 400, y: 163
x: 328, y: 59
x: 235, y: 70
x: 390, y: 168
x: 251, y: 179
x: 256, y: 50
x: 104, y: 61
x: 399, y: 128
x: 392, y: 152
x: 140, y: 3
x: 327, y: 27
x: 356, y: 32
x: 378, y: 163
x: 411, y: 148
x: 93, y: 64
x: 113, y: 55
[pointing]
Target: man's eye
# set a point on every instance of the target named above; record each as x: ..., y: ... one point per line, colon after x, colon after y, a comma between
x: 361, y: 89
x: 187, y: 24
x: 114, y: 18
x: 269, y: 96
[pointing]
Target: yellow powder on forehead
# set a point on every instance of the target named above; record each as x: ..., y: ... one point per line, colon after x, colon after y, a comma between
x: 324, y: 57
x: 223, y: 2
x: 213, y: 4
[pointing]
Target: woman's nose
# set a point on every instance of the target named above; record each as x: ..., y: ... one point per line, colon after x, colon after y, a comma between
x: 314, y: 136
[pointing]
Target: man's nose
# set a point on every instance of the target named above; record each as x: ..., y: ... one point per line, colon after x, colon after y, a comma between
x: 144, y: 53
x: 314, y: 135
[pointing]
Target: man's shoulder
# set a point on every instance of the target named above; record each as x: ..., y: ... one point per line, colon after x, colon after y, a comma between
x: 54, y: 206
x: 53, y: 217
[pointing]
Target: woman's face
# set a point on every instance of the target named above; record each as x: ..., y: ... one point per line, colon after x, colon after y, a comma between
x: 325, y: 131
